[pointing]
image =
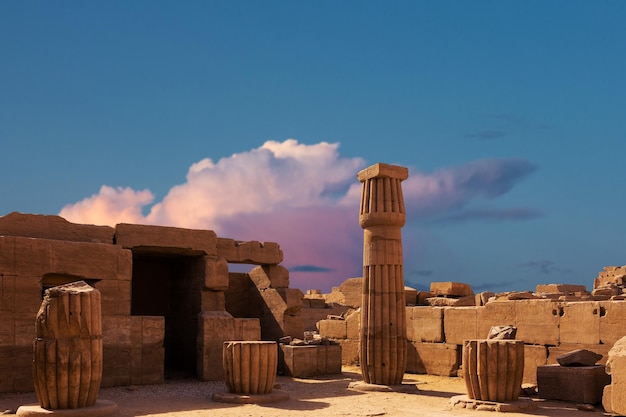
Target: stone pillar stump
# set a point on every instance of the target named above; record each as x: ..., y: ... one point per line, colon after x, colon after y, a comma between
x: 67, y: 367
x: 493, y: 369
x: 250, y: 366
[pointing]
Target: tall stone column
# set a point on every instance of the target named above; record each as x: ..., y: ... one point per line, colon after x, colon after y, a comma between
x: 383, y: 344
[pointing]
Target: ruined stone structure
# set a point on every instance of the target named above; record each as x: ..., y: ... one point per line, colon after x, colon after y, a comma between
x: 383, y: 322
x: 68, y: 347
x: 165, y: 295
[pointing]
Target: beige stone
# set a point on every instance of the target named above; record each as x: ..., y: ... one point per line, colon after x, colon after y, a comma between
x: 353, y: 325
x: 555, y: 351
x: 560, y: 288
x: 162, y: 239
x: 451, y: 302
x: 580, y: 323
x: 214, y: 328
x: 537, y: 321
x: 53, y: 227
x: 425, y: 324
x: 534, y: 356
x: 451, y: 289
x: 253, y: 252
x: 616, y: 368
x: 433, y: 358
x: 459, y: 324
x: 216, y: 276
x: 410, y: 295
x: 349, y: 293
x: 333, y: 329
x: 497, y: 313
x: 612, y: 321
x: 350, y: 351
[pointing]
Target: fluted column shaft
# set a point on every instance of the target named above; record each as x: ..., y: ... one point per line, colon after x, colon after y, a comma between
x: 383, y: 346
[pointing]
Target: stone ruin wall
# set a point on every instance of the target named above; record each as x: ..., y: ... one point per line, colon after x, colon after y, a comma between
x: 38, y: 251
x: 554, y: 320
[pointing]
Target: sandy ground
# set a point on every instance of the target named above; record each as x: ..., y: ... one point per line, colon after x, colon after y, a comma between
x: 327, y: 396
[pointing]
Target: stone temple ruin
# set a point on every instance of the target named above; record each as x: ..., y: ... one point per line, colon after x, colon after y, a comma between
x: 169, y: 301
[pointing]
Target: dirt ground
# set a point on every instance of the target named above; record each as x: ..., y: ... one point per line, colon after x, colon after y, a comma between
x: 327, y: 396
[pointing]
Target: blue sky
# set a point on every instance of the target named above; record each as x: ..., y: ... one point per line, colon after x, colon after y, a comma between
x: 253, y: 118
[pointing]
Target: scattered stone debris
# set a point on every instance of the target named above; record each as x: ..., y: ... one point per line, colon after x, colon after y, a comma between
x: 507, y: 332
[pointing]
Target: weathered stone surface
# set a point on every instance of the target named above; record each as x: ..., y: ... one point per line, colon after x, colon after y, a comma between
x: 38, y: 257
x: 537, y: 321
x: 579, y: 357
x: 433, y: 358
x: 333, y: 329
x: 163, y: 239
x: 579, y: 323
x: 560, y: 288
x: 482, y: 298
x: 214, y: 328
x: 493, y: 369
x: 253, y: 252
x: 349, y: 293
x: 216, y: 276
x: 612, y: 321
x: 616, y: 368
x: 459, y: 324
x: 451, y: 302
x: 311, y: 360
x: 579, y: 384
x: 67, y: 367
x: 555, y: 351
x: 534, y: 356
x: 270, y: 276
x: 212, y: 300
x: 383, y: 318
x: 53, y: 227
x: 451, y: 289
x: 507, y: 332
x: 424, y: 324
x: 250, y: 366
x: 493, y: 314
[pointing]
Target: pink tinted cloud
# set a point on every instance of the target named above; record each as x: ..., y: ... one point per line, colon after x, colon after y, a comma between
x: 304, y: 197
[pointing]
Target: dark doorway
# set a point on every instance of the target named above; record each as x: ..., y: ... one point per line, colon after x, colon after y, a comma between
x: 170, y: 286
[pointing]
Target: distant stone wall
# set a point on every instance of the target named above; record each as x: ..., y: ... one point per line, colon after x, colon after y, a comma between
x: 559, y: 319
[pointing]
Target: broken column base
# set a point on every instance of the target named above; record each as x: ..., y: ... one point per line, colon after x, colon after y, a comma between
x: 100, y: 408
x: 365, y: 387
x: 229, y: 397
x: 517, y: 406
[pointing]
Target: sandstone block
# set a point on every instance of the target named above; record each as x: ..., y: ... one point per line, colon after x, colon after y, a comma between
x: 425, y: 324
x: 579, y: 357
x: 300, y: 361
x: 7, y: 257
x: 616, y: 367
x: 213, y: 301
x: 555, y: 351
x: 7, y: 329
x: 349, y: 293
x: 353, y: 325
x: 247, y: 329
x: 466, y: 301
x: 349, y: 352
x: 579, y: 384
x: 216, y: 276
x: 410, y: 295
x: 116, y: 296
x: 214, y: 328
x: 293, y: 326
x: 292, y: 298
x: 560, y: 288
x: 153, y: 330
x: 459, y: 324
x: 537, y: 321
x: 163, y: 239
x: 333, y: 329
x: 451, y: 289
x: 483, y: 298
x: 256, y: 253
x: 53, y: 227
x: 38, y: 257
x: 24, y: 330
x: 27, y: 293
x: 497, y: 313
x: 433, y: 358
x: 580, y: 323
x: 612, y: 321
x: 534, y: 356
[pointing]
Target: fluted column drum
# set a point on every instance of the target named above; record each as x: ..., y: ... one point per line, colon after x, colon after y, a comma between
x: 250, y: 366
x: 383, y: 344
x: 67, y: 366
x: 493, y: 369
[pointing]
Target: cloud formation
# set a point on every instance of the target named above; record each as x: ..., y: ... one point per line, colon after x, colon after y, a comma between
x: 305, y: 197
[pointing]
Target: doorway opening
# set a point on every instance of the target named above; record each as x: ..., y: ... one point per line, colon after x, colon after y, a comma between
x: 170, y: 286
